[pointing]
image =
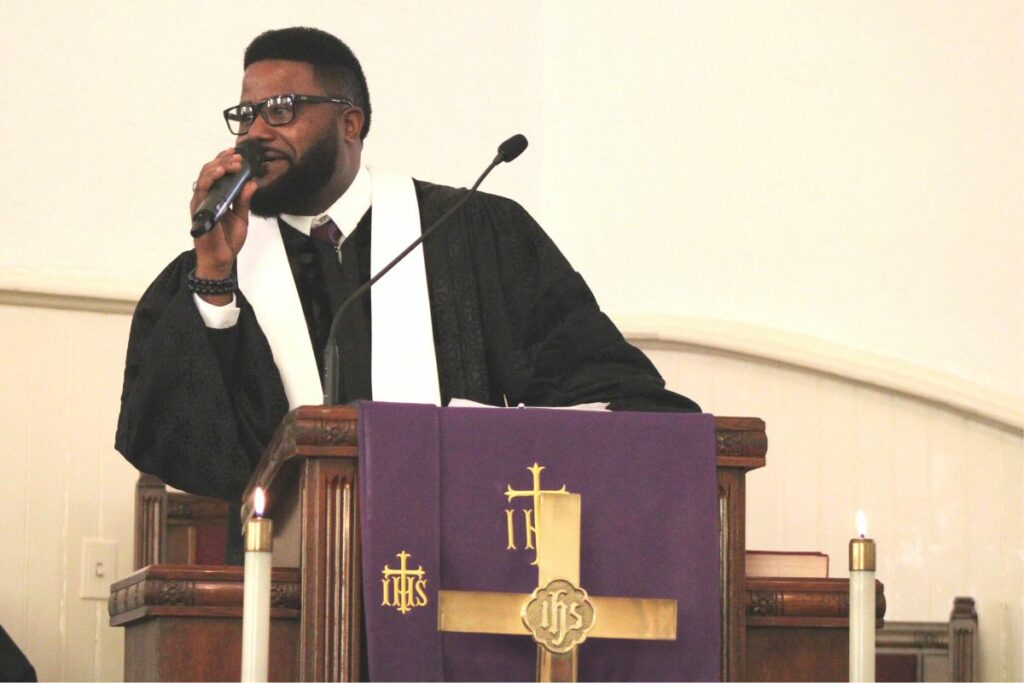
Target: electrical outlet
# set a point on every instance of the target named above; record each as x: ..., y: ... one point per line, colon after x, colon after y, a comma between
x: 99, y: 568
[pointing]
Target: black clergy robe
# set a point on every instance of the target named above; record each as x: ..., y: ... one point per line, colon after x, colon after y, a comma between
x: 512, y: 322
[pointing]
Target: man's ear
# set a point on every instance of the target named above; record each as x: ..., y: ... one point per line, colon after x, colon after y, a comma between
x: 352, y: 124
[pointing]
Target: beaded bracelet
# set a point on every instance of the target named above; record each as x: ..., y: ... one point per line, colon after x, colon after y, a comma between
x: 202, y: 286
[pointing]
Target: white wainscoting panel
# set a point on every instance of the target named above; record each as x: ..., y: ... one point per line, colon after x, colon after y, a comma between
x: 60, y: 383
x: 943, y: 488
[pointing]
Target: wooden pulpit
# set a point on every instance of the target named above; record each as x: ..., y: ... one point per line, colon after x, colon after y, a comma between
x: 310, y: 473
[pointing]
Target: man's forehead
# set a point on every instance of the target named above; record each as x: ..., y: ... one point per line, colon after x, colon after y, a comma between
x: 278, y: 76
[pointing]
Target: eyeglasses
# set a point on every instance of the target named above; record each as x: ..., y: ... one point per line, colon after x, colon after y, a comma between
x: 276, y: 111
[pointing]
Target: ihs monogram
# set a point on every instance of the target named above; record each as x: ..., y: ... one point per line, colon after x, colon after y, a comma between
x: 529, y: 516
x: 559, y: 615
x: 403, y: 588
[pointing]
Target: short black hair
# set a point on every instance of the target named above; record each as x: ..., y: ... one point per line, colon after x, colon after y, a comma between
x: 334, y: 64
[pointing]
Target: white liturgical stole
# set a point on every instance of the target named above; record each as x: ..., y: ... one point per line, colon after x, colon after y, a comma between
x: 404, y: 367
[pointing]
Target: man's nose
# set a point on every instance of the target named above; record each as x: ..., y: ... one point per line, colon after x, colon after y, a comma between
x: 259, y: 130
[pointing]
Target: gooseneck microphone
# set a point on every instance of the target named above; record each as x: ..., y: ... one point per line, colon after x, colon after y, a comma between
x: 507, y: 151
x: 224, y: 191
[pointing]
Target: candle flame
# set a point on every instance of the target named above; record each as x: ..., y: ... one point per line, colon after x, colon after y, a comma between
x: 259, y: 501
x: 862, y: 524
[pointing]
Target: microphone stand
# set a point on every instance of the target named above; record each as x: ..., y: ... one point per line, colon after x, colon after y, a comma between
x: 507, y: 151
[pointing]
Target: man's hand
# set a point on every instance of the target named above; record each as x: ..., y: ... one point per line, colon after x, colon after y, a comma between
x: 217, y: 249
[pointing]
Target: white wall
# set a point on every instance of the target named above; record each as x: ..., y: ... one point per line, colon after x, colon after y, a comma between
x: 849, y: 171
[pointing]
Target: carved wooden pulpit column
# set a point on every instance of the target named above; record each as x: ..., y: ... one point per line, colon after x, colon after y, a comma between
x: 309, y: 472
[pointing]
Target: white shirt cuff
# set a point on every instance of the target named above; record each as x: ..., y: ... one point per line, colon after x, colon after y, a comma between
x: 217, y: 317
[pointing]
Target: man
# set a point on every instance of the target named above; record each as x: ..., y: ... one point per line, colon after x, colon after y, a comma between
x: 14, y: 665
x: 224, y: 342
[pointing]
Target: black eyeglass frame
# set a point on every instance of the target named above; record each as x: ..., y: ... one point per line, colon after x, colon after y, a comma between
x: 261, y: 108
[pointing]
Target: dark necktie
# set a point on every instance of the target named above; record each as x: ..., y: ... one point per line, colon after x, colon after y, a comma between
x: 328, y: 233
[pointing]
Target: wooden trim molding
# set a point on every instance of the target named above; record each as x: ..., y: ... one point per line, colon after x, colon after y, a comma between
x: 180, y: 590
x: 822, y: 603
x: 66, y: 302
x: 66, y: 291
x: 766, y: 345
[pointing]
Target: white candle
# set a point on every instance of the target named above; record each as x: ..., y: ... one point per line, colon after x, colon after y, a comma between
x: 862, y: 604
x: 259, y: 534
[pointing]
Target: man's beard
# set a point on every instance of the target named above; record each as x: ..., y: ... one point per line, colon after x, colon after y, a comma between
x: 293, y: 192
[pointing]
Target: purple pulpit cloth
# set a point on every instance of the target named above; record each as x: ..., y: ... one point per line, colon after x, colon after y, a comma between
x: 433, y: 485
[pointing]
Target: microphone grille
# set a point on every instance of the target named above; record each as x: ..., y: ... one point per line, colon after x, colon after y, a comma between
x: 252, y: 153
x: 512, y: 147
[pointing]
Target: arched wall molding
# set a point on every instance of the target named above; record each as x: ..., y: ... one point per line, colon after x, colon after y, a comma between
x: 815, y: 355
x: 715, y: 336
x: 67, y: 291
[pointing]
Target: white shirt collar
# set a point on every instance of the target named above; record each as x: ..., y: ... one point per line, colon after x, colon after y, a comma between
x: 346, y: 212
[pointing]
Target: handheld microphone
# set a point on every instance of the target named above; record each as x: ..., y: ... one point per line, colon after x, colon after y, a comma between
x: 507, y: 151
x: 224, y: 191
